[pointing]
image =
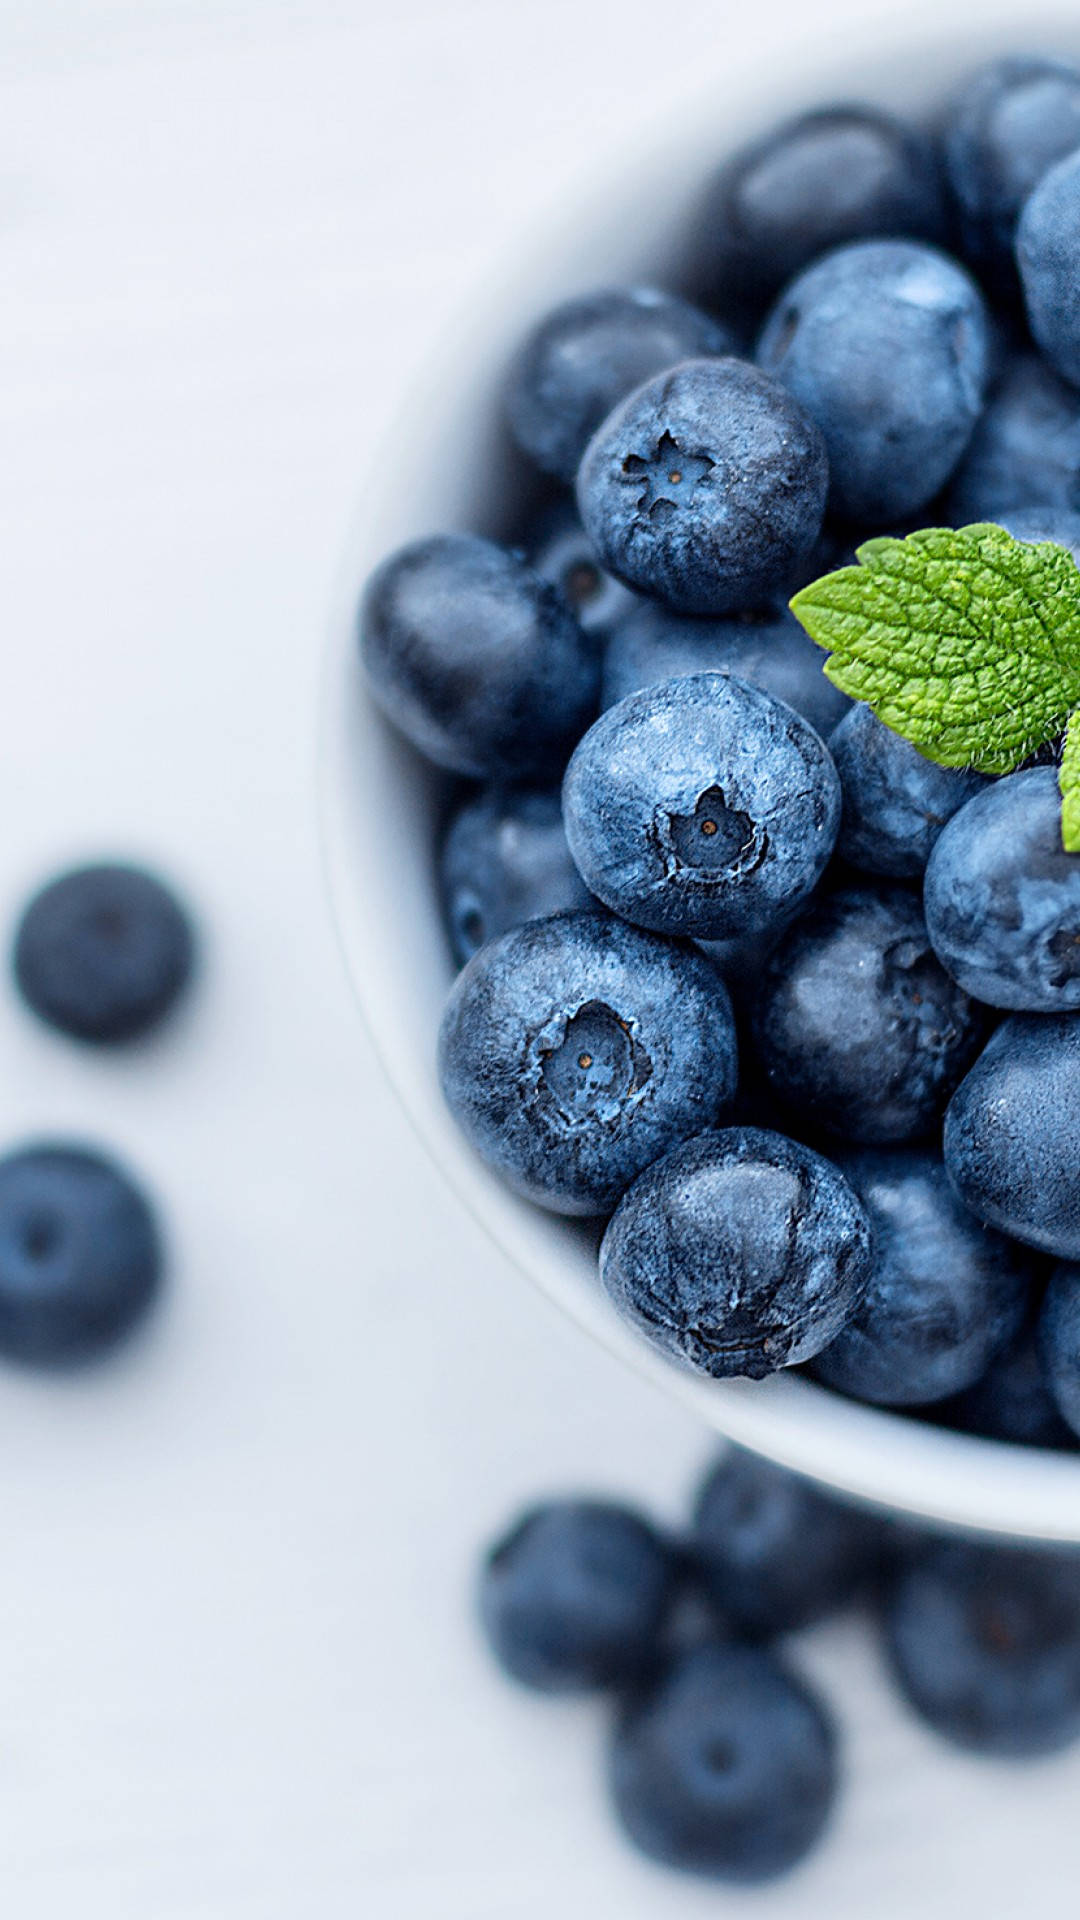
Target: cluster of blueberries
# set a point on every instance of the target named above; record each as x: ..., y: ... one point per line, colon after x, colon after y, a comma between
x: 102, y: 954
x: 721, y: 1760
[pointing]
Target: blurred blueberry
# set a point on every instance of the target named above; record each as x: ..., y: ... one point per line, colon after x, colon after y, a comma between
x: 1012, y: 1401
x: 1048, y: 253
x: 1006, y: 127
x: 1037, y: 524
x: 857, y: 1026
x: 1025, y: 451
x: 834, y: 175
x: 1059, y: 1343
x: 576, y: 1050
x: 1002, y: 897
x: 770, y: 650
x: 103, y: 953
x: 505, y: 860
x: 706, y: 487
x: 477, y: 660
x: 895, y: 802
x: 80, y: 1256
x: 946, y: 1295
x: 886, y: 345
x: 1010, y: 1132
x: 701, y: 806
x: 587, y: 355
x: 984, y: 1641
x: 560, y: 551
x: 775, y: 1551
x: 575, y: 1595
x: 726, y: 1766
x: 740, y: 1252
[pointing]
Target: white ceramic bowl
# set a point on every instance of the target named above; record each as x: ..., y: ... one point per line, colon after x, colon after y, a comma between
x: 386, y: 905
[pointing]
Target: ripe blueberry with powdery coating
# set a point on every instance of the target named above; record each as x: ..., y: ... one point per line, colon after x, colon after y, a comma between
x: 477, y: 660
x: 1048, y: 252
x: 725, y: 1766
x: 80, y: 1256
x: 104, y: 953
x: 505, y: 860
x: 774, y: 1552
x: 1006, y: 127
x: 945, y: 1295
x: 858, y: 1027
x: 1012, y: 1401
x: 838, y: 174
x: 772, y: 651
x: 574, y: 1596
x: 576, y: 1050
x: 1025, y: 450
x: 895, y: 801
x: 560, y: 551
x: 985, y: 1644
x: 740, y: 1252
x: 706, y: 487
x: 886, y: 345
x: 1059, y: 1342
x: 587, y: 355
x: 1002, y: 897
x: 1010, y: 1132
x: 1039, y: 524
x: 701, y: 806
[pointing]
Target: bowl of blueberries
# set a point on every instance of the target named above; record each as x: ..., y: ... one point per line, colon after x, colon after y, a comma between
x: 701, y: 804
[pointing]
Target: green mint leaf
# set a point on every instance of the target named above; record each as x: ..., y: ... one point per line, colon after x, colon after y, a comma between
x: 966, y: 642
x: 1069, y: 780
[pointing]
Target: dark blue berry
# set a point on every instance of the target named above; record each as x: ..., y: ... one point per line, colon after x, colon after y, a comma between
x: 560, y: 551
x: 895, y: 802
x: 587, y: 355
x: 887, y: 347
x: 1002, y: 897
x: 706, y: 487
x: 770, y: 650
x: 1059, y: 1343
x: 1012, y: 1401
x: 740, y: 1252
x: 574, y: 1596
x: 80, y: 1257
x: 1010, y: 1132
x: 701, y: 806
x: 505, y: 860
x: 985, y: 1644
x: 859, y: 1028
x: 1048, y: 252
x: 945, y: 1296
x: 104, y: 953
x: 1025, y: 451
x: 477, y: 660
x: 1039, y: 524
x: 726, y: 1766
x: 1006, y: 127
x: 576, y: 1050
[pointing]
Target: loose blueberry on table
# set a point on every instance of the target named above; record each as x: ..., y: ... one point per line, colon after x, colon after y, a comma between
x: 774, y: 709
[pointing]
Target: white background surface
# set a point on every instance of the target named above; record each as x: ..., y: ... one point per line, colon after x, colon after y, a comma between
x: 238, y: 1679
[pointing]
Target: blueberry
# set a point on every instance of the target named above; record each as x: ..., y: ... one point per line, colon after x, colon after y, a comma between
x: 775, y: 1552
x: 895, y: 802
x: 770, y: 650
x: 726, y: 1766
x: 505, y: 860
x: 1002, y: 897
x: 587, y: 355
x: 103, y: 953
x: 80, y: 1257
x: 857, y: 1025
x: 1038, y: 524
x: 946, y: 1294
x: 1012, y: 1401
x: 1025, y: 451
x: 886, y: 345
x: 985, y: 1644
x: 477, y: 660
x: 1010, y: 1132
x: 1058, y: 1341
x: 740, y: 1252
x: 560, y: 551
x: 701, y: 806
x: 1048, y: 253
x: 838, y: 174
x: 575, y: 1050
x: 575, y: 1595
x: 706, y: 487
x: 1005, y: 127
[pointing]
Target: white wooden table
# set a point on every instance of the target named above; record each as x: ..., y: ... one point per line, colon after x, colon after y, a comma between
x: 238, y: 1679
